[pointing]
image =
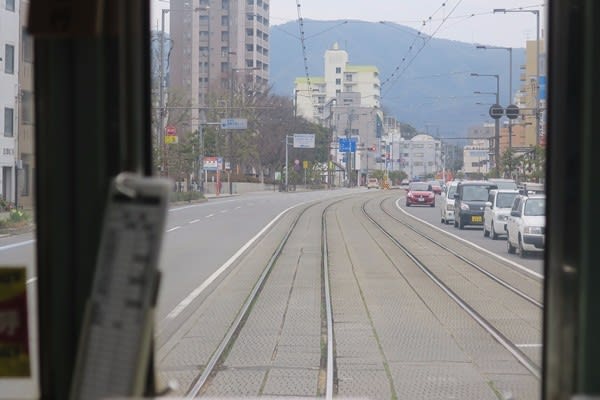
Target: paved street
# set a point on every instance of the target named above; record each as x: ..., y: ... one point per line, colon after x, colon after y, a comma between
x: 396, y: 332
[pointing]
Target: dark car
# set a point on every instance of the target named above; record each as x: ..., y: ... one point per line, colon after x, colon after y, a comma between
x: 469, y: 202
x: 420, y: 193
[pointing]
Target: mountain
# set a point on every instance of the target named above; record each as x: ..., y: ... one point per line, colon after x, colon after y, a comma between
x: 432, y: 91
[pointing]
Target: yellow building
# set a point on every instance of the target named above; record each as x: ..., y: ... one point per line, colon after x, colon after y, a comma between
x: 528, y: 93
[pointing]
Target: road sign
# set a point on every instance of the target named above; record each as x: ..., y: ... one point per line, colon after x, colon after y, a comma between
x: 305, y: 164
x: 171, y: 135
x: 212, y: 163
x: 234, y: 123
x: 512, y: 111
x: 496, y: 111
x: 347, y: 145
x: 304, y: 140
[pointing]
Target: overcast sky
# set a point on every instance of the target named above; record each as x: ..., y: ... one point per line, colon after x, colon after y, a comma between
x: 471, y: 21
x: 484, y: 27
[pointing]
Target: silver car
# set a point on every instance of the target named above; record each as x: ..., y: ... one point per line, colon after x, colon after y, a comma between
x: 447, y: 203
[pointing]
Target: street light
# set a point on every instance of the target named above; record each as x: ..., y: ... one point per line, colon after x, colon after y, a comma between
x: 537, y: 65
x: 509, y: 49
x: 496, y: 120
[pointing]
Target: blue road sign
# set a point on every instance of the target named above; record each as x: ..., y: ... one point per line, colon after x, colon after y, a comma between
x: 347, y: 145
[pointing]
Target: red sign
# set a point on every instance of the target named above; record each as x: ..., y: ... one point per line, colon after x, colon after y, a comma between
x: 171, y: 131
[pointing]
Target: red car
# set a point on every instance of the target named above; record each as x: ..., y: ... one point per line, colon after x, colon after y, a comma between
x: 420, y: 193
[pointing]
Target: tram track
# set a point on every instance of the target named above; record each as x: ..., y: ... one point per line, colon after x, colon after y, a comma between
x: 327, y: 361
x: 464, y: 259
x: 484, y: 323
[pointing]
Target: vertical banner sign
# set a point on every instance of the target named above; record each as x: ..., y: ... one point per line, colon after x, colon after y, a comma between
x: 14, y: 338
x: 171, y: 135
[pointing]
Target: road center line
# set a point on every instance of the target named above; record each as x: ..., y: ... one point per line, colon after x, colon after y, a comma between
x: 194, y: 221
x: 529, y: 345
x: 210, y: 215
x: 173, y: 229
x: 224, y: 211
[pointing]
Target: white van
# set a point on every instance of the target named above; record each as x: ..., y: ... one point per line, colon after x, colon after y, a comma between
x: 447, y: 203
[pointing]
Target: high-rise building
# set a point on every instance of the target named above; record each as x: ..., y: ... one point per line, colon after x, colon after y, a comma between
x: 9, y: 95
x: 217, y: 44
x: 313, y: 95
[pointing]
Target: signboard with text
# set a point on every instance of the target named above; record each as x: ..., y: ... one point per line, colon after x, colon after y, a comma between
x: 171, y: 135
x: 212, y: 163
x: 347, y: 145
x: 304, y: 140
x: 234, y: 123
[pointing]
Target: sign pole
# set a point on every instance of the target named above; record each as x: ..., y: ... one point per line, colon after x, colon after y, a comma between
x: 286, y: 162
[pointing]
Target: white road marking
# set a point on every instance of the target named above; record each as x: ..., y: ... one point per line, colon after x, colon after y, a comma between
x: 506, y: 260
x: 529, y: 345
x: 31, y: 280
x: 173, y: 229
x: 194, y: 221
x: 238, y: 207
x: 224, y: 211
x: 196, y: 292
x: 14, y: 245
x: 197, y: 205
x: 210, y: 215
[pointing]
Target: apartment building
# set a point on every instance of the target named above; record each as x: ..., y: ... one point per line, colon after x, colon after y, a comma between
x: 476, y: 157
x: 217, y: 45
x: 9, y: 95
x: 530, y: 90
x: 420, y: 156
x: 313, y: 96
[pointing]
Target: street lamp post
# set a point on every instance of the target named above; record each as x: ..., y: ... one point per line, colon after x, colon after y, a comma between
x: 496, y: 120
x: 537, y: 65
x: 510, y: 93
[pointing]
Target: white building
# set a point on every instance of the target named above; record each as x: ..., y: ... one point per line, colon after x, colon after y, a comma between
x: 420, y: 156
x: 9, y: 90
x: 477, y: 157
x: 314, y: 96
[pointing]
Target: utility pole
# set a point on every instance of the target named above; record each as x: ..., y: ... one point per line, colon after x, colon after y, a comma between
x: 161, y: 96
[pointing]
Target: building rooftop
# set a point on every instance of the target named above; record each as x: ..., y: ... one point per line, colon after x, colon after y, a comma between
x: 302, y: 80
x: 422, y: 138
x: 361, y: 68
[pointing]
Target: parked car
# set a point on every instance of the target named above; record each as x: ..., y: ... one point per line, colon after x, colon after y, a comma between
x: 420, y: 193
x: 436, y: 187
x: 373, y: 183
x: 508, y: 184
x: 526, y: 225
x: 447, y: 208
x: 469, y: 202
x: 497, y: 210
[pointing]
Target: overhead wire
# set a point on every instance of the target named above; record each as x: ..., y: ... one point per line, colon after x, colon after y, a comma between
x: 394, y: 77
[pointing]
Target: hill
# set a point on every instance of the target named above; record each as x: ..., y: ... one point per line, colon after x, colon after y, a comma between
x: 433, y: 91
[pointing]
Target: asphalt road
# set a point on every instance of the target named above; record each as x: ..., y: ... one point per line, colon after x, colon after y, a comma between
x: 473, y: 234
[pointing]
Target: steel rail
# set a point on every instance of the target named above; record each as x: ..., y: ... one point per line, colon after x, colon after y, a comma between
x: 495, y: 333
x: 493, y: 277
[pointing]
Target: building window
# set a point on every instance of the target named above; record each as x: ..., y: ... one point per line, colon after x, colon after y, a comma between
x: 249, y: 47
x: 203, y: 49
x: 10, y: 5
x: 225, y: 36
x: 204, y: 3
x: 224, y: 20
x: 338, y: 70
x: 27, y: 46
x: 338, y: 91
x: 250, y: 2
x: 224, y: 51
x: 224, y: 67
x: 249, y: 32
x: 348, y: 77
x: 9, y: 122
x: 249, y: 63
x: 347, y: 88
x: 9, y: 59
x: 338, y: 81
x: 225, y: 4
x: 250, y: 17
x: 27, y: 107
x: 204, y: 35
x: 203, y: 19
